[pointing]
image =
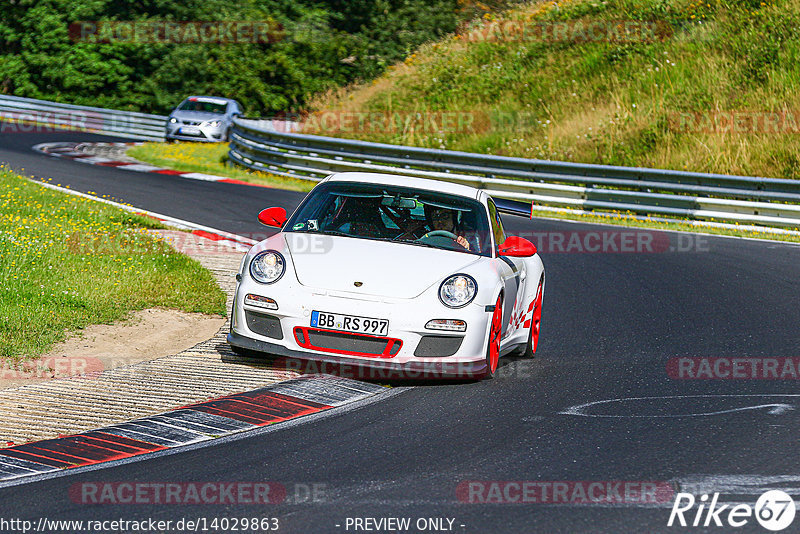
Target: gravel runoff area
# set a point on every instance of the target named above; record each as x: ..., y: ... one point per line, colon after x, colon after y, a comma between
x: 49, y: 408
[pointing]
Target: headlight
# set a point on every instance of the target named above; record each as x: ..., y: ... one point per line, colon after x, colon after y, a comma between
x: 267, y: 267
x: 214, y: 124
x: 458, y: 290
x: 173, y: 120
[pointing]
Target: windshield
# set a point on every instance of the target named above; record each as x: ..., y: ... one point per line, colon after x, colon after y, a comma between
x: 203, y: 105
x: 398, y: 214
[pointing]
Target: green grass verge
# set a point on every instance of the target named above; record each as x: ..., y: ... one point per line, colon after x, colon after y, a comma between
x: 67, y: 262
x: 209, y: 158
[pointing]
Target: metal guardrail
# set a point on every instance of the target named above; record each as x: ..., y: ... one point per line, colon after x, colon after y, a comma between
x: 767, y: 201
x: 30, y: 115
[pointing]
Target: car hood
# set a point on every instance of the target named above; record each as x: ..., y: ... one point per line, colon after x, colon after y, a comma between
x: 197, y: 115
x: 392, y: 270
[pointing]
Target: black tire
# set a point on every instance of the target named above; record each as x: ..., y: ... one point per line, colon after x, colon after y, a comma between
x: 527, y: 351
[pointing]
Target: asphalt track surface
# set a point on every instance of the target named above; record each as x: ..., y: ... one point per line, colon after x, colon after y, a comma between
x: 611, y: 323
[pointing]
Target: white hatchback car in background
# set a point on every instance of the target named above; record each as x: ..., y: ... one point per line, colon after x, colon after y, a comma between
x: 411, y: 275
x: 202, y: 118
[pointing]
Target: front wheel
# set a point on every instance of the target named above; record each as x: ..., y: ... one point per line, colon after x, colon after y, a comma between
x: 495, y: 332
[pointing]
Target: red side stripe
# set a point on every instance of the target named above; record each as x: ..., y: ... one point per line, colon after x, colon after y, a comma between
x: 242, y: 182
x: 261, y: 397
x: 253, y: 415
x: 264, y: 413
x: 102, y: 444
x: 84, y: 454
x: 143, y: 446
x: 112, y: 163
x: 208, y: 235
x: 38, y: 458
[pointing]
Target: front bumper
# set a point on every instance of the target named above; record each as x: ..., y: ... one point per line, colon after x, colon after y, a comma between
x: 408, y: 350
x: 361, y: 369
x: 208, y: 134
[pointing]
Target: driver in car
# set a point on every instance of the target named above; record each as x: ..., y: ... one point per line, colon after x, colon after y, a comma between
x: 444, y: 219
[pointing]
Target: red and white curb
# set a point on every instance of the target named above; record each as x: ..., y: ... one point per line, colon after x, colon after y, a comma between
x: 67, y: 150
x: 195, y: 423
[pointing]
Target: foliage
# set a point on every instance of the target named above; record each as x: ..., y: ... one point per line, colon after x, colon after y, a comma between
x: 318, y: 45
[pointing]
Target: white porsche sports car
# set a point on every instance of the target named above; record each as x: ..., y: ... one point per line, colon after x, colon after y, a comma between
x: 403, y: 274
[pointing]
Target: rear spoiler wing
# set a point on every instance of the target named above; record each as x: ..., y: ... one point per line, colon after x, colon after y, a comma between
x: 514, y: 207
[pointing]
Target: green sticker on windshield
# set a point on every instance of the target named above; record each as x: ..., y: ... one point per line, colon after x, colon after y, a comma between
x: 299, y: 226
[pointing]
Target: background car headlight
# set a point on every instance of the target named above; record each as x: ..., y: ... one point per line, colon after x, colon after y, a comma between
x: 173, y: 120
x: 458, y: 290
x: 267, y: 267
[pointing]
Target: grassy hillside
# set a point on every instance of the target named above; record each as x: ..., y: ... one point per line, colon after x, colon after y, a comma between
x: 529, y: 83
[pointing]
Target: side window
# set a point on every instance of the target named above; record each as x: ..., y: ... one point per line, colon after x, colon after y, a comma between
x: 497, y: 225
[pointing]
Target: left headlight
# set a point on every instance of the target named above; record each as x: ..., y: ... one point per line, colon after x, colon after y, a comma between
x: 458, y: 290
x: 173, y: 120
x: 267, y: 267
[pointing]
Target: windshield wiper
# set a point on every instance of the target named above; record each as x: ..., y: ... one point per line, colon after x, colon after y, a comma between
x: 418, y: 243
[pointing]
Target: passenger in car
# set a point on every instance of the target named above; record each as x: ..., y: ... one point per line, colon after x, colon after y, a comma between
x: 360, y: 217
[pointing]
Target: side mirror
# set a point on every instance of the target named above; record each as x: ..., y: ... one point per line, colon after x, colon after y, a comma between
x: 517, y: 247
x: 273, y: 217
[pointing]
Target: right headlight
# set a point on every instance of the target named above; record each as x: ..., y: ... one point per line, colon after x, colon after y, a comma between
x: 267, y: 267
x: 173, y: 120
x: 458, y: 290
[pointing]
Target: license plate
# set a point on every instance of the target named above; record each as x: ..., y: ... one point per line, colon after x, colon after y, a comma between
x: 190, y: 131
x: 349, y: 323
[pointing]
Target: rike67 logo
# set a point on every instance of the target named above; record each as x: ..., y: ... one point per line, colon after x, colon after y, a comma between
x: 774, y: 510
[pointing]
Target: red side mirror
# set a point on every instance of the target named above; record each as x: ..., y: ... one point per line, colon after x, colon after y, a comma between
x: 517, y: 247
x: 273, y: 217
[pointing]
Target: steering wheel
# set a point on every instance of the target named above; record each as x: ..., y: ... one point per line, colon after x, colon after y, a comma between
x: 440, y: 233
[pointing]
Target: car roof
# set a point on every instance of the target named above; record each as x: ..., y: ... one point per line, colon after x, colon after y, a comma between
x: 406, y: 181
x: 228, y: 100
